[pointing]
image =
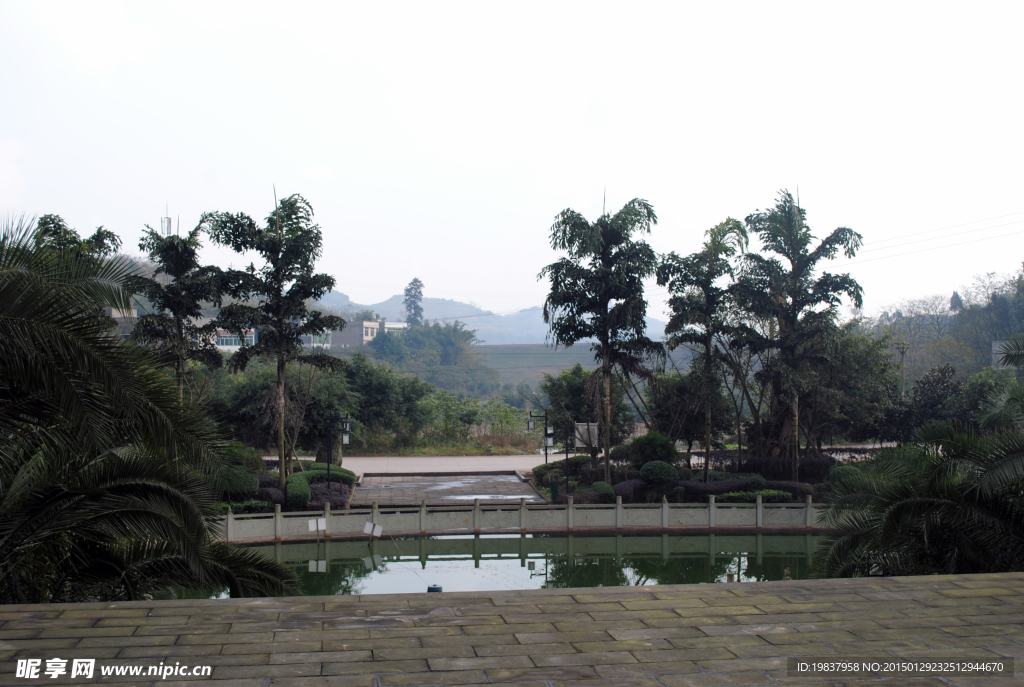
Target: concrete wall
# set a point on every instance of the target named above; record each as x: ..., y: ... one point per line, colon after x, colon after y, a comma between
x: 522, y: 518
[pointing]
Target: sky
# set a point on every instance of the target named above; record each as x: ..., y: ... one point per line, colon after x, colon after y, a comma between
x: 439, y: 140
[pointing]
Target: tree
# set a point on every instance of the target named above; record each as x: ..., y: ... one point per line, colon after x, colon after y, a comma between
x: 413, y: 303
x: 800, y: 306
x: 54, y: 232
x: 699, y: 307
x: 575, y: 396
x: 597, y: 292
x: 172, y: 329
x: 677, y: 409
x: 106, y: 481
x: 290, y: 245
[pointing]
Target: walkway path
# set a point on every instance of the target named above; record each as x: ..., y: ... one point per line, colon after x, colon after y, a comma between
x: 442, y: 490
x: 717, y: 635
x: 441, y: 464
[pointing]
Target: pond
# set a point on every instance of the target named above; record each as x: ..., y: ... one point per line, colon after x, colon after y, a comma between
x: 488, y: 563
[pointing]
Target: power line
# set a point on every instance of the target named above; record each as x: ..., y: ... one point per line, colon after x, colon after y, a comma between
x: 925, y: 250
x: 951, y: 226
x: 939, y: 238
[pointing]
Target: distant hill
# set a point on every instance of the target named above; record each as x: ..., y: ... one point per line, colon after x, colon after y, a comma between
x: 523, y: 327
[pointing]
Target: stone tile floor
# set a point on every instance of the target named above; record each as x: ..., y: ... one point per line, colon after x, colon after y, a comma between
x: 438, y: 490
x: 659, y: 636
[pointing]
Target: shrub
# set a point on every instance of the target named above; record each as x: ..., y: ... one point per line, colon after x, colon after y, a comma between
x: 337, y: 496
x: 658, y: 472
x: 799, y: 490
x: 629, y: 488
x: 237, y: 482
x: 654, y: 447
x: 698, y: 492
x: 238, y: 453
x: 576, y: 465
x: 684, y: 472
x: 297, y: 492
x: 272, y: 494
x: 815, y: 468
x: 604, y: 492
x: 317, y: 472
x: 841, y: 473
x: 767, y: 496
x: 579, y: 497
x: 243, y: 507
x: 269, y: 480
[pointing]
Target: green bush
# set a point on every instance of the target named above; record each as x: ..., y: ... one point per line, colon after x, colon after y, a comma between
x: 238, y: 453
x: 605, y: 492
x: 658, y: 472
x: 237, y: 482
x: 622, y: 453
x: 841, y: 473
x: 767, y: 496
x: 297, y: 493
x: 576, y: 465
x: 684, y: 472
x: 243, y: 507
x: 654, y: 447
x: 723, y: 476
x: 317, y: 472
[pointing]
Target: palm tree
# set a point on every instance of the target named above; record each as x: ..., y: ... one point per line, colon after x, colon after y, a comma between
x: 105, y: 478
x: 699, y: 306
x: 597, y: 292
x: 948, y: 503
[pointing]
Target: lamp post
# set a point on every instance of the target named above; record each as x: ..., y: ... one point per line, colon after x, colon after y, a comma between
x: 549, y: 432
x: 902, y: 347
x: 346, y: 427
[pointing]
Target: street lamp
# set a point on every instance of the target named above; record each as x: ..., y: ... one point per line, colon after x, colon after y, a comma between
x: 549, y: 432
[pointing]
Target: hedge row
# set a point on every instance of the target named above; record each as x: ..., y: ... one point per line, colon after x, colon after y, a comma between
x: 297, y: 492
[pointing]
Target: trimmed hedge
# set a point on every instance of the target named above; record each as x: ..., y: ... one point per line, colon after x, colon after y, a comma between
x: 658, y: 472
x: 605, y: 492
x: 630, y: 488
x: 237, y: 482
x: 841, y: 473
x: 318, y: 473
x: 576, y: 465
x: 767, y: 496
x: 723, y: 476
x: 242, y: 507
x: 297, y: 493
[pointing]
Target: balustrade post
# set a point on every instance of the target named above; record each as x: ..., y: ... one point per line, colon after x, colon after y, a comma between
x: 278, y: 522
x: 327, y: 519
x: 808, y: 513
x: 618, y: 512
x: 760, y: 511
x: 522, y: 515
x: 423, y: 517
x: 230, y: 527
x: 476, y: 518
x: 664, y: 511
x: 569, y: 513
x: 711, y: 510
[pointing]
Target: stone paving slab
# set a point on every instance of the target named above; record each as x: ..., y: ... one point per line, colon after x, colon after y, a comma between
x: 722, y: 635
x: 442, y: 490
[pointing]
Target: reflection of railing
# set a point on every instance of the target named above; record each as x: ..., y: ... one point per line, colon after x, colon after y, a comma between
x: 525, y: 548
x: 524, y: 518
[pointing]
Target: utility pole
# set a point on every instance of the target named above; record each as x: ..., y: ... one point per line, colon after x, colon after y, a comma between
x: 902, y: 347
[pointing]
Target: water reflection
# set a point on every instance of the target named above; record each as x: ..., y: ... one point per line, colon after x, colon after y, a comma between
x: 390, y: 566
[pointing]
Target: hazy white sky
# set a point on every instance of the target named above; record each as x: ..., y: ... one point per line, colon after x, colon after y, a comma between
x: 438, y: 140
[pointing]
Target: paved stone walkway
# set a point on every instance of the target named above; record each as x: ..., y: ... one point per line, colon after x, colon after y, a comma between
x: 670, y: 636
x: 442, y: 464
x: 441, y: 490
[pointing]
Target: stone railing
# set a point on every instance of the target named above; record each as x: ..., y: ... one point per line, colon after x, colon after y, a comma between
x: 521, y: 517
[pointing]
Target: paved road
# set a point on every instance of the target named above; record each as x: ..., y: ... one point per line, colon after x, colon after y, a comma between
x: 442, y: 490
x: 440, y: 464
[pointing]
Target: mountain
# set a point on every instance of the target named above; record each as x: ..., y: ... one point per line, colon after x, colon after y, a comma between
x: 523, y: 327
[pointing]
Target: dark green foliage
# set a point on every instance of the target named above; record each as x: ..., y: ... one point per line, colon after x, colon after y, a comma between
x: 653, y: 446
x: 767, y: 496
x: 576, y: 465
x: 815, y: 468
x: 597, y: 295
x: 297, y: 492
x: 842, y: 473
x: 178, y: 303
x: 413, y: 303
x: 105, y: 477
x: 684, y: 472
x: 244, y: 507
x: 271, y: 300
x: 604, y: 491
x: 54, y: 233
x: 949, y: 503
x: 574, y: 396
x: 779, y: 285
x: 238, y: 482
x: 676, y: 409
x: 317, y: 472
x: 441, y: 354
x: 722, y: 476
x: 387, y: 401
x: 658, y: 472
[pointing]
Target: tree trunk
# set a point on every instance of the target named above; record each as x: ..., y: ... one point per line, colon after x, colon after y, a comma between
x: 709, y: 380
x: 796, y: 440
x: 280, y: 422
x: 607, y: 374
